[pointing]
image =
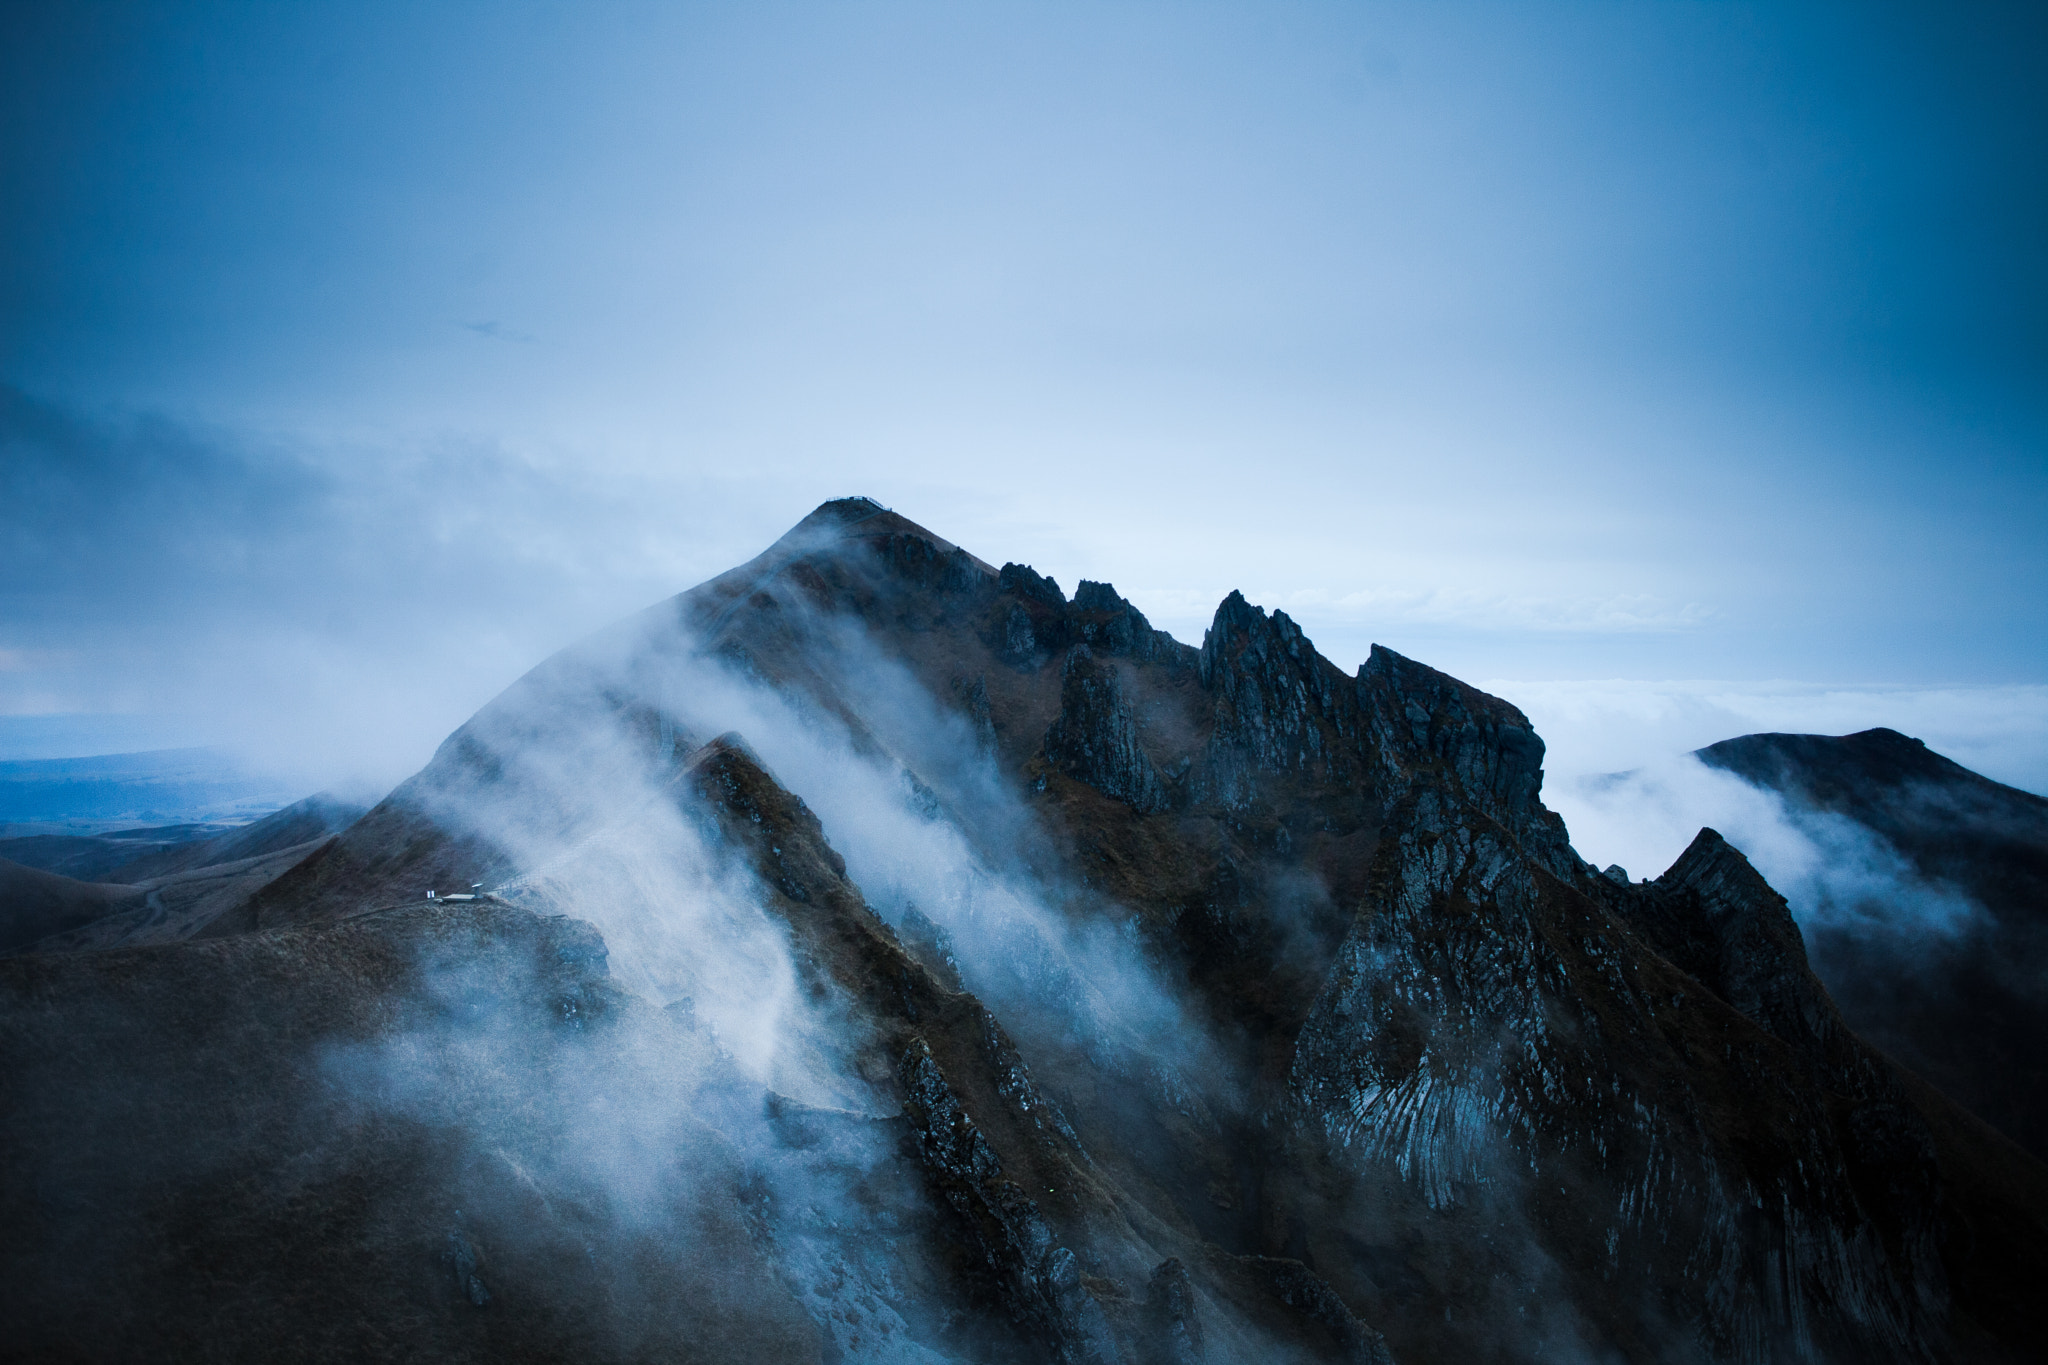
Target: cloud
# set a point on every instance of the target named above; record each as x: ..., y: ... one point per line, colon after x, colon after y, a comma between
x: 498, y: 331
x: 1058, y: 963
x: 620, y: 1118
x: 1619, y: 770
x: 1834, y: 872
x: 27, y: 660
x: 1609, y: 725
x: 334, y: 606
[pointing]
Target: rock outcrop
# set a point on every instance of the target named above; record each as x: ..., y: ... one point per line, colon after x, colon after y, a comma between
x: 1095, y: 739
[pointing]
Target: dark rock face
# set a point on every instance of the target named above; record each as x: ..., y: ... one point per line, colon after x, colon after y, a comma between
x: 1483, y: 997
x: 1719, y: 920
x: 1275, y: 703
x: 1095, y: 739
x: 1020, y: 640
x: 1485, y: 745
x: 1110, y: 625
x: 1965, y: 1004
x: 1040, y: 1280
x: 931, y: 945
x: 1031, y: 586
x: 980, y: 714
x: 1265, y: 1014
x: 1177, y: 1326
x: 1300, y: 1289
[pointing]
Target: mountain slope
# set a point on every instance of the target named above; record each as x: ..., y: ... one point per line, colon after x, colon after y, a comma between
x: 95, y: 857
x: 35, y: 904
x: 302, y: 822
x: 1148, y: 1002
x: 1963, y: 1002
x: 169, y: 890
x: 263, y: 1210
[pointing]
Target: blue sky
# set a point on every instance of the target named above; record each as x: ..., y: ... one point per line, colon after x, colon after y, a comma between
x: 356, y: 356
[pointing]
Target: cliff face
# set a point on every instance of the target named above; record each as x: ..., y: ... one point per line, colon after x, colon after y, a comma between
x: 1131, y: 1001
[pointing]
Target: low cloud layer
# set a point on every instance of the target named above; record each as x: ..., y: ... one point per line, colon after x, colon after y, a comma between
x: 1613, y: 725
x: 1619, y: 769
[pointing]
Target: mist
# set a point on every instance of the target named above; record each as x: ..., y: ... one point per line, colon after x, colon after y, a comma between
x: 1618, y: 768
x: 929, y: 825
x: 723, y: 1108
x: 567, y: 786
x: 1610, y: 726
x: 1836, y: 874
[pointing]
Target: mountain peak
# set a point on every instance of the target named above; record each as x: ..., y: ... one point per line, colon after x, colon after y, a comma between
x: 850, y: 520
x: 856, y: 508
x: 1118, y: 996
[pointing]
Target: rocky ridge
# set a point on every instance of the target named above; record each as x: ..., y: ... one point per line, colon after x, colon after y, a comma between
x: 1428, y: 1071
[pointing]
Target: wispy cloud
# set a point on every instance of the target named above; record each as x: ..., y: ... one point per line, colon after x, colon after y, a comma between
x: 1833, y: 871
x: 27, y: 660
x: 320, y: 602
x: 497, y: 331
x: 1610, y: 725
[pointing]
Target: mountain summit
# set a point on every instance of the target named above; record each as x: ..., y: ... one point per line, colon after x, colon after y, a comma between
x: 877, y: 954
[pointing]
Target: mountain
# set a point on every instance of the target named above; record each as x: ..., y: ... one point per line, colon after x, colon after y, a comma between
x: 160, y: 785
x: 35, y: 904
x: 153, y: 885
x: 1963, y: 1001
x: 90, y: 857
x: 877, y: 954
x: 302, y: 822
x: 136, y: 855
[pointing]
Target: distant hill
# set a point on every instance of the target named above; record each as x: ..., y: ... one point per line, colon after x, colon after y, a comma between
x: 163, y: 786
x: 313, y: 818
x: 35, y: 904
x: 133, y: 855
x: 94, y: 857
x: 66, y: 892
x: 1968, y: 1010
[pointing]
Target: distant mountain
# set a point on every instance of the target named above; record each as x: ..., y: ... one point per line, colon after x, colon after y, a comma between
x: 95, y: 857
x: 873, y: 954
x: 64, y: 892
x: 313, y: 818
x: 136, y: 855
x: 1965, y: 1005
x: 165, y: 786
